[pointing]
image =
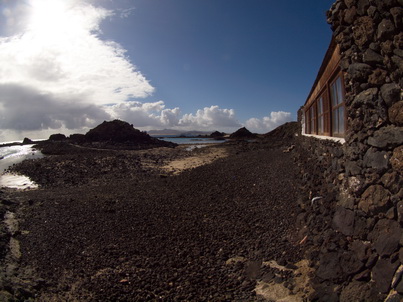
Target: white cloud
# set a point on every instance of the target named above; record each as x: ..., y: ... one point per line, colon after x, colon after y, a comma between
x: 25, y: 108
x: 211, y: 117
x: 126, y: 13
x: 145, y: 115
x: 156, y: 116
x: 268, y: 123
x: 56, y: 71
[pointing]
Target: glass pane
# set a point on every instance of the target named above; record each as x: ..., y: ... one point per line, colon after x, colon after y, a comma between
x: 341, y: 120
x: 320, y: 106
x: 333, y: 94
x: 335, y: 122
x: 339, y: 91
x: 312, y: 120
x: 320, y: 124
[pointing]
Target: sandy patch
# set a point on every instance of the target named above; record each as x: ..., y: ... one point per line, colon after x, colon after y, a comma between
x: 192, y: 161
x: 272, y: 291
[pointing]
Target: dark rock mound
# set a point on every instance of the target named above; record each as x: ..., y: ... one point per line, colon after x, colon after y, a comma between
x: 57, y: 137
x: 116, y: 131
x: 217, y: 135
x: 284, y: 132
x: 242, y: 133
x: 119, y: 133
x: 77, y: 138
x: 27, y: 141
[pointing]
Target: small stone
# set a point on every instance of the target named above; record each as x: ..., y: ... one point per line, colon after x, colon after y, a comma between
x: 343, y: 221
x: 359, y: 71
x: 398, y: 62
x: 378, y: 160
x: 397, y: 159
x: 360, y: 249
x: 350, y: 14
x: 392, y: 181
x: 398, y: 41
x: 396, y: 113
x: 363, y: 276
x: 399, y: 209
x: 329, y: 266
x: 349, y: 3
x: 390, y: 136
x: 387, y: 47
x: 390, y: 214
x: 397, y: 13
x: 385, y: 29
x: 377, y: 77
x: 366, y: 97
x: 375, y: 199
x: 386, y: 236
x: 371, y: 57
x: 363, y: 30
x: 362, y: 7
x: 352, y: 168
x: 382, y: 274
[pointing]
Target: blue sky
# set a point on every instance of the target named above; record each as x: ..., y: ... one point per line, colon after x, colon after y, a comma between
x: 182, y: 64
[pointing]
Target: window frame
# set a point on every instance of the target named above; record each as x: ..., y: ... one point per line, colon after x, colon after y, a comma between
x: 336, y: 109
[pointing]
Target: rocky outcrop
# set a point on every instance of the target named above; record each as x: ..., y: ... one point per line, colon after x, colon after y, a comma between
x: 217, y: 134
x: 242, y: 133
x: 27, y: 141
x: 108, y: 135
x: 57, y: 137
x: 116, y: 131
x: 355, y: 228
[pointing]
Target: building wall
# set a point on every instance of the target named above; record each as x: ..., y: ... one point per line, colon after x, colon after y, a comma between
x: 355, y: 238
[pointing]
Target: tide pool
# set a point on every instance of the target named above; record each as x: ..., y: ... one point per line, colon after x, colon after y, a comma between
x: 13, y: 155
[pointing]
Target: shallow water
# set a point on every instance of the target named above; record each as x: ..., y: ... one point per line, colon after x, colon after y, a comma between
x: 189, y: 140
x: 14, y: 155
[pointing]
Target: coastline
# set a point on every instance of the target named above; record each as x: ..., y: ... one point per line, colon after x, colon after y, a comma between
x: 185, y: 224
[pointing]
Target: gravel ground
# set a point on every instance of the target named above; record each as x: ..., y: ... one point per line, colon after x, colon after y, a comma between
x: 110, y: 226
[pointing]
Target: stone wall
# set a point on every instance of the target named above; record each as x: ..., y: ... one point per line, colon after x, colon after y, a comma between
x: 356, y: 236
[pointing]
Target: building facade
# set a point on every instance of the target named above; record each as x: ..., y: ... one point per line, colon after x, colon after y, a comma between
x: 324, y: 110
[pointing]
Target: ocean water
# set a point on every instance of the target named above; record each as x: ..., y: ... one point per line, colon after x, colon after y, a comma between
x: 188, y: 140
x: 12, y: 155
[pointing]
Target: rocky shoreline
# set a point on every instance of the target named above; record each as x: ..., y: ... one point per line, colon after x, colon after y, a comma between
x: 117, y: 225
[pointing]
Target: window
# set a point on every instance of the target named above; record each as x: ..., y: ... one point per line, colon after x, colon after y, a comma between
x: 321, y: 122
x: 312, y: 119
x: 338, y: 112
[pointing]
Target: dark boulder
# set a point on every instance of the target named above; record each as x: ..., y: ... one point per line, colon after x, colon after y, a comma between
x: 386, y: 236
x: 116, y: 131
x: 77, y: 138
x: 382, y: 274
x: 57, y: 137
x: 389, y: 136
x: 120, y: 134
x: 242, y: 133
x: 396, y: 113
x: 27, y: 141
x: 287, y: 131
x: 217, y: 134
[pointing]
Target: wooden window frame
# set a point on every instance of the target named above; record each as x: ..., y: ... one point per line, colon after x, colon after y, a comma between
x: 335, y: 109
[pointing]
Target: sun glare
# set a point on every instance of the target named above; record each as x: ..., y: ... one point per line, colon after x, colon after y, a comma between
x: 55, y: 18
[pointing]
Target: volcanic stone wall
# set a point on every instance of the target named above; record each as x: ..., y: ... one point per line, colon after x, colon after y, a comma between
x: 356, y: 233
